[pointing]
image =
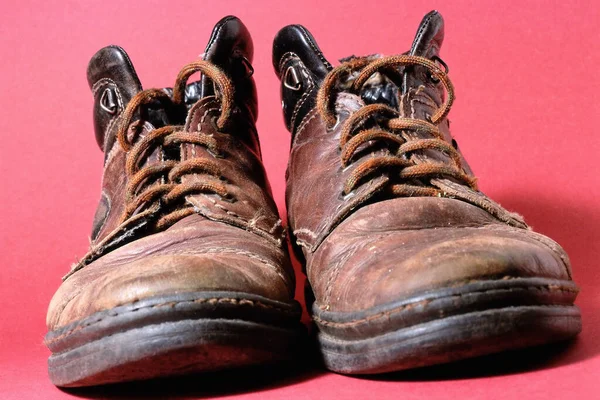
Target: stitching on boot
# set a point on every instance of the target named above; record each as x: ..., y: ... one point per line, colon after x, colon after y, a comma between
x: 425, y: 303
x: 213, y: 300
x: 305, y: 95
x: 307, y: 118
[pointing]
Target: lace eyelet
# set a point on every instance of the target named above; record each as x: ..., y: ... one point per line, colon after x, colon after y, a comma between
x: 441, y: 62
x: 432, y: 78
x: 215, y: 154
x: 334, y: 126
x: 438, y: 60
x: 213, y: 122
x: 343, y: 168
x: 348, y: 196
x: 229, y: 198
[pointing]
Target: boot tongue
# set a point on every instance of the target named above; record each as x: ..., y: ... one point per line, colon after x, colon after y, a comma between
x: 379, y: 88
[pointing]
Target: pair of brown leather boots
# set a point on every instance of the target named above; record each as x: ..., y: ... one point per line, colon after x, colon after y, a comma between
x: 408, y: 263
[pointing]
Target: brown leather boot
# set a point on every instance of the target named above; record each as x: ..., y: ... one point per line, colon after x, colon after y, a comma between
x: 409, y: 264
x: 188, y: 268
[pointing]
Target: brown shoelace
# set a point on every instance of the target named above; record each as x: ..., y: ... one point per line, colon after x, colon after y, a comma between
x: 390, y: 124
x: 168, y: 188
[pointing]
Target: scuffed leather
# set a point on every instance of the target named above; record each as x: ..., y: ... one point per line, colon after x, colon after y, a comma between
x: 252, y: 207
x: 364, y: 250
x: 114, y: 185
x: 233, y: 245
x: 393, y: 249
x: 315, y: 178
x: 193, y: 255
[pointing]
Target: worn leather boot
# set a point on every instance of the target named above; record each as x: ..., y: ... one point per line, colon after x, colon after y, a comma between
x: 188, y: 268
x: 409, y: 264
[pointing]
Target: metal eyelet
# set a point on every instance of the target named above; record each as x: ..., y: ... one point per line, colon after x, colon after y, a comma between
x: 297, y: 83
x: 346, y: 197
x: 432, y: 78
x: 108, y: 101
x: 213, y: 122
x: 441, y: 62
x: 337, y: 122
x: 345, y: 169
x: 229, y: 198
x: 215, y: 154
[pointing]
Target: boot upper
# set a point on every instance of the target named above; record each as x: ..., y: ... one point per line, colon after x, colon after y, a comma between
x: 373, y: 223
x: 185, y: 205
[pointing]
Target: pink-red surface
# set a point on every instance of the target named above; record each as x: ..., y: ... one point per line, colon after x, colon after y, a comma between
x: 526, y: 116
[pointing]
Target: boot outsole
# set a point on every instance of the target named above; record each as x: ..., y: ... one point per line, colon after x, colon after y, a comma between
x: 449, y: 325
x: 174, y: 335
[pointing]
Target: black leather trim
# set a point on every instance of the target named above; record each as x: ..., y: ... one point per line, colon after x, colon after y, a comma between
x: 110, y: 67
x: 301, y: 67
x: 228, y: 34
x: 430, y: 32
x: 296, y: 39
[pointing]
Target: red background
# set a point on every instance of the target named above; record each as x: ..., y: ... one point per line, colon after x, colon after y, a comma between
x: 526, y: 116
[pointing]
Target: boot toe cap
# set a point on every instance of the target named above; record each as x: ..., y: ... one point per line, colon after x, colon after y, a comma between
x: 372, y: 267
x: 163, y: 265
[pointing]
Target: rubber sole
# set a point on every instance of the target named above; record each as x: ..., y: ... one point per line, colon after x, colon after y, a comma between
x: 448, y: 325
x: 174, y: 335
